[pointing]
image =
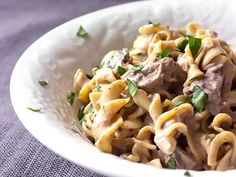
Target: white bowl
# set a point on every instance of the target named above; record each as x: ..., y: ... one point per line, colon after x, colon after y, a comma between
x: 56, y: 56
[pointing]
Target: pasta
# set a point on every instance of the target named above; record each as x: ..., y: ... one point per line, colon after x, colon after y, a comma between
x: 168, y: 102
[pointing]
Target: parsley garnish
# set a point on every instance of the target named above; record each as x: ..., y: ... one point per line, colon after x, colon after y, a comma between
x: 121, y: 70
x: 206, y: 136
x: 132, y: 87
x: 99, y: 66
x: 34, y: 110
x: 43, y: 83
x: 80, y: 114
x: 194, y: 45
x: 154, y: 23
x: 71, y: 97
x: 187, y: 173
x: 81, y: 32
x: 89, y: 76
x: 171, y: 163
x: 199, y: 98
x: 164, y: 53
x: 182, y: 45
x: 91, y: 109
x: 98, y: 87
x: 137, y: 67
x: 178, y: 103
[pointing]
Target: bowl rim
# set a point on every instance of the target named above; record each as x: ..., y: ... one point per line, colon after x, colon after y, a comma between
x: 89, y: 163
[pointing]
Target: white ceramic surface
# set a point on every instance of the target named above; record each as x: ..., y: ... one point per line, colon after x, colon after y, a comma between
x: 56, y: 56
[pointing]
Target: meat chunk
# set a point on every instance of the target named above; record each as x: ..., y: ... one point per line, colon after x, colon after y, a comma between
x: 211, y: 84
x: 183, y: 159
x: 162, y: 74
x: 116, y: 58
x: 216, y: 82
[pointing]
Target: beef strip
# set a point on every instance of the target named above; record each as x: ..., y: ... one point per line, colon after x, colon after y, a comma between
x: 161, y: 74
x: 183, y: 159
x: 120, y: 58
x: 217, y: 81
x: 211, y: 84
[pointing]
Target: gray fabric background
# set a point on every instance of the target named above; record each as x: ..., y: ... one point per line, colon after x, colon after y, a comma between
x: 21, y: 23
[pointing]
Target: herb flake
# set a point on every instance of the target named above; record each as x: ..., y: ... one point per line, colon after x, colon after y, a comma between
x: 80, y: 114
x: 182, y: 45
x: 121, y: 70
x: 132, y: 88
x: 43, y: 83
x: 171, y: 163
x: 71, y: 97
x: 81, y: 32
x: 136, y: 67
x: 207, y: 136
x: 199, y: 98
x: 194, y: 45
x: 154, y: 23
x: 164, y: 53
x: 178, y: 103
x: 187, y: 173
x: 98, y: 87
x: 89, y: 76
x: 34, y: 109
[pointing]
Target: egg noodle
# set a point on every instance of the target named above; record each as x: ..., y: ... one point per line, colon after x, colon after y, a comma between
x: 167, y: 102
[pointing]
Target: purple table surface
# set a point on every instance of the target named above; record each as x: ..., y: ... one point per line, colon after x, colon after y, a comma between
x: 21, y: 23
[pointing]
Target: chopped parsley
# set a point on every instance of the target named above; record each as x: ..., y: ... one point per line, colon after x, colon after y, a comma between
x: 194, y: 45
x: 206, y: 137
x: 171, y: 163
x: 164, y: 53
x: 100, y: 66
x: 91, y: 109
x: 43, y: 83
x: 154, y: 23
x: 71, y: 97
x: 182, y: 45
x: 121, y: 70
x: 98, y: 87
x: 80, y: 114
x: 81, y: 32
x: 132, y: 88
x: 199, y: 98
x: 34, y: 109
x: 89, y: 76
x: 178, y: 103
x: 187, y: 173
x: 136, y: 67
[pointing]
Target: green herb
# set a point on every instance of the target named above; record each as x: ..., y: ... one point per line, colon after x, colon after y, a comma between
x: 164, y: 53
x: 80, y: 114
x: 137, y: 67
x: 199, y: 98
x: 34, y: 110
x: 71, y: 97
x: 182, y: 45
x: 206, y: 136
x: 91, y: 109
x: 98, y: 87
x: 132, y: 87
x: 81, y: 32
x: 194, y: 45
x: 100, y: 66
x: 178, y: 103
x: 187, y: 173
x: 171, y: 163
x: 43, y: 83
x: 121, y: 70
x: 154, y: 23
x: 89, y: 76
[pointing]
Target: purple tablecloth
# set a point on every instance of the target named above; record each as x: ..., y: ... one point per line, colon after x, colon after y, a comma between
x: 21, y: 23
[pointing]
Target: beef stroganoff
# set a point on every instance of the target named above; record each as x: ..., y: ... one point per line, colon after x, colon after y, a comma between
x: 167, y: 102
